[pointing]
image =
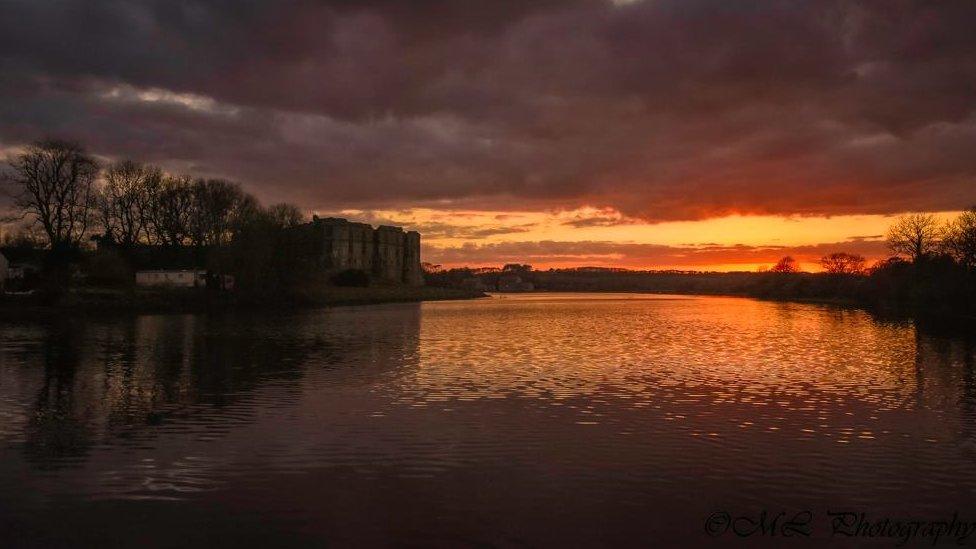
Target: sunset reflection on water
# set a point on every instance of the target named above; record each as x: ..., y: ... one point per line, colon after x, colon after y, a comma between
x: 598, y: 418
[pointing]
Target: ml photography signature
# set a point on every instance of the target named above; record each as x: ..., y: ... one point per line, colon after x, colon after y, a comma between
x: 840, y: 524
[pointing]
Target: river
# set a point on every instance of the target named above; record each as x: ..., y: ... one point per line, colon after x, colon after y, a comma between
x: 520, y: 420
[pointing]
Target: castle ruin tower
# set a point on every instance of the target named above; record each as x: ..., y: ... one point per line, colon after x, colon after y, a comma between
x: 412, y: 271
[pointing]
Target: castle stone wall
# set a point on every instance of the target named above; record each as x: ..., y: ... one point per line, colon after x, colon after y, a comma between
x: 389, y: 253
x: 386, y: 253
x: 412, y: 272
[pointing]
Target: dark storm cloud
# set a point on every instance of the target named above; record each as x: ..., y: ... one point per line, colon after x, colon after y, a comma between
x: 663, y: 109
x: 600, y: 218
x: 435, y: 229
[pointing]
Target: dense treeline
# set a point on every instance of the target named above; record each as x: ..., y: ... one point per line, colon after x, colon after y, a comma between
x: 65, y: 191
x: 932, y: 271
x: 67, y: 199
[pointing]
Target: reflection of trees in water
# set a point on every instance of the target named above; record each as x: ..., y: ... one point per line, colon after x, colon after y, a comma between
x: 945, y: 369
x: 57, y: 429
x: 120, y: 382
x: 117, y: 380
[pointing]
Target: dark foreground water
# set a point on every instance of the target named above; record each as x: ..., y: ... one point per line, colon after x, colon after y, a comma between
x: 534, y: 420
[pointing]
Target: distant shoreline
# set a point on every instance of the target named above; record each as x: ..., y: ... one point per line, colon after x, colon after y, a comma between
x: 886, y: 311
x: 932, y: 287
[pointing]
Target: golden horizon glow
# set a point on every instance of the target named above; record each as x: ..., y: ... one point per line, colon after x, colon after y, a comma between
x: 736, y: 242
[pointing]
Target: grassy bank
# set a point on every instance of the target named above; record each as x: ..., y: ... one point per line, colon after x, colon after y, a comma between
x: 335, y: 295
x: 182, y: 300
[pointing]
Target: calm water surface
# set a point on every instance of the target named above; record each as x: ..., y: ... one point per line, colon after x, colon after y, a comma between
x: 552, y: 420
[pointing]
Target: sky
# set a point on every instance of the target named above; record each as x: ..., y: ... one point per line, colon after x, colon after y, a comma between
x: 690, y: 134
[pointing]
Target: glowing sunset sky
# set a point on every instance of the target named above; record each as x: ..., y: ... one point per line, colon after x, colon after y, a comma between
x: 645, y: 133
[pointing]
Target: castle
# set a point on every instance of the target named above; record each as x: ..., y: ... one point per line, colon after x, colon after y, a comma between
x: 387, y: 253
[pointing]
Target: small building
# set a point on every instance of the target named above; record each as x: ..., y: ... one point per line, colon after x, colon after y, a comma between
x: 20, y: 268
x: 195, y: 278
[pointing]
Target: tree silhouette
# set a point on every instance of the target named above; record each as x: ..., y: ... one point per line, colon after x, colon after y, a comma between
x: 216, y: 205
x: 914, y: 235
x: 785, y: 265
x: 54, y: 184
x: 285, y: 215
x: 171, y: 211
x: 517, y: 268
x: 842, y: 263
x: 959, y: 239
x: 125, y: 200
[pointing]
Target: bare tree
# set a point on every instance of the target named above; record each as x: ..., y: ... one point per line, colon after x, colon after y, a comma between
x: 152, y: 187
x: 125, y: 200
x: 54, y: 185
x: 914, y: 235
x: 959, y: 239
x: 171, y: 211
x: 785, y: 265
x: 246, y: 211
x: 204, y: 212
x: 843, y: 263
x: 285, y: 215
x: 216, y: 205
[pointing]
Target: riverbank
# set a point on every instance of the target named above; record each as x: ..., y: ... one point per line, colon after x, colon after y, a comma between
x: 935, y: 287
x: 101, y: 301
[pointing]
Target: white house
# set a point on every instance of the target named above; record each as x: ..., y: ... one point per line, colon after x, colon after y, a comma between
x: 172, y: 278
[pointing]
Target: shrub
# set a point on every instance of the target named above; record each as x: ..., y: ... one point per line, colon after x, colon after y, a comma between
x: 351, y: 278
x: 108, y: 268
